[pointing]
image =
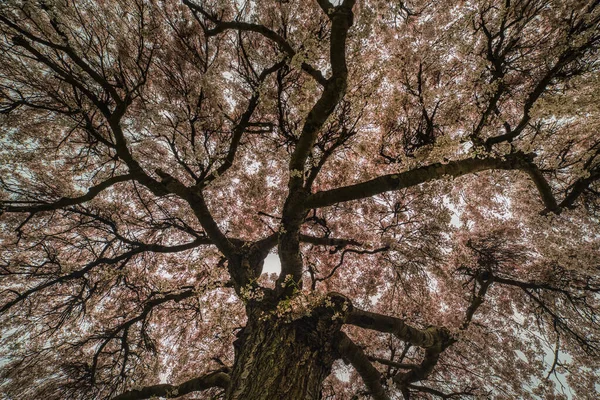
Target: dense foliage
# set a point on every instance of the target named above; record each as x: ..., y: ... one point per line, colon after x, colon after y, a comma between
x: 427, y: 173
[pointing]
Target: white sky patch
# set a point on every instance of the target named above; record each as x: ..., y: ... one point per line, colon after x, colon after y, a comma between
x: 341, y: 371
x: 557, y: 377
x: 455, y: 219
x: 272, y: 264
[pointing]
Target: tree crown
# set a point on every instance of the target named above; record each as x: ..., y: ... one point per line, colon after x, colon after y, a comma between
x: 427, y: 171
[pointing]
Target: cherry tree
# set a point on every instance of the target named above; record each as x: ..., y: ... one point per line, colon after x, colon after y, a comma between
x: 426, y: 172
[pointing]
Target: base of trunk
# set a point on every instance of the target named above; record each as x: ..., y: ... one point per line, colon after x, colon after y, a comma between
x: 284, y: 360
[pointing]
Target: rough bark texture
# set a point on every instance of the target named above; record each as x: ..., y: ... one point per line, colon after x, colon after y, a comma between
x: 284, y: 360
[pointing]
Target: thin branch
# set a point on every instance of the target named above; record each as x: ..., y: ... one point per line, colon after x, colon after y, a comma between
x: 286, y: 47
x: 195, y: 198
x: 240, y: 128
x: 393, y: 363
x: 106, y: 261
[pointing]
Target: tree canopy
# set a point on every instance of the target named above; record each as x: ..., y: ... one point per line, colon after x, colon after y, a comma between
x: 426, y: 172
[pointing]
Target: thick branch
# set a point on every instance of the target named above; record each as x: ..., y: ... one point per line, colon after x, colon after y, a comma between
x: 424, y: 174
x: 328, y: 241
x: 430, y: 360
x: 383, y: 323
x: 369, y: 374
x: 334, y: 90
x: 267, y: 243
x: 476, y: 302
x: 577, y: 190
x: 434, y: 340
x: 214, y: 379
x: 442, y: 395
x: 294, y: 208
x: 393, y: 363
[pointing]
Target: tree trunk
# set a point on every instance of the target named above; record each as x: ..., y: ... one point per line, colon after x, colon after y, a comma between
x: 283, y: 360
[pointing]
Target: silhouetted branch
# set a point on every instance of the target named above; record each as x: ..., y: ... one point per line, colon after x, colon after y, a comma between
x: 424, y: 174
x: 103, y: 261
x: 222, y: 26
x: 218, y: 379
x: 65, y: 201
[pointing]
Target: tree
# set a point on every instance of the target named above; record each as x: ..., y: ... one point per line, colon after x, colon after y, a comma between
x: 427, y: 173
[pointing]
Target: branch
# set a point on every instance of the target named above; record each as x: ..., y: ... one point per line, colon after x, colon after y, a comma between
x: 107, y: 261
x: 434, y: 340
x: 466, y: 392
x: 426, y: 338
x: 568, y: 56
x: 112, y: 116
x: 369, y: 374
x: 294, y: 209
x: 240, y: 128
x: 430, y: 360
x: 476, y: 302
x: 124, y: 327
x: 267, y: 243
x: 222, y: 26
x: 328, y: 241
x: 218, y: 378
x: 341, y: 262
x: 578, y: 188
x: 195, y: 198
x: 543, y: 187
x: 65, y: 201
x: 64, y: 75
x: 394, y: 364
x: 334, y: 90
x: 385, y: 183
x: 544, y: 286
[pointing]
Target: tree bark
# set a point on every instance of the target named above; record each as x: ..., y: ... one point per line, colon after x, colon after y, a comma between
x: 278, y: 359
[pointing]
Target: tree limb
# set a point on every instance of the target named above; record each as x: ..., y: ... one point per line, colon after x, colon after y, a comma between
x: 218, y: 378
x: 222, y: 26
x: 328, y: 241
x: 383, y: 323
x: 369, y: 374
x: 65, y: 201
x: 294, y: 209
x: 393, y: 363
x: 385, y: 183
